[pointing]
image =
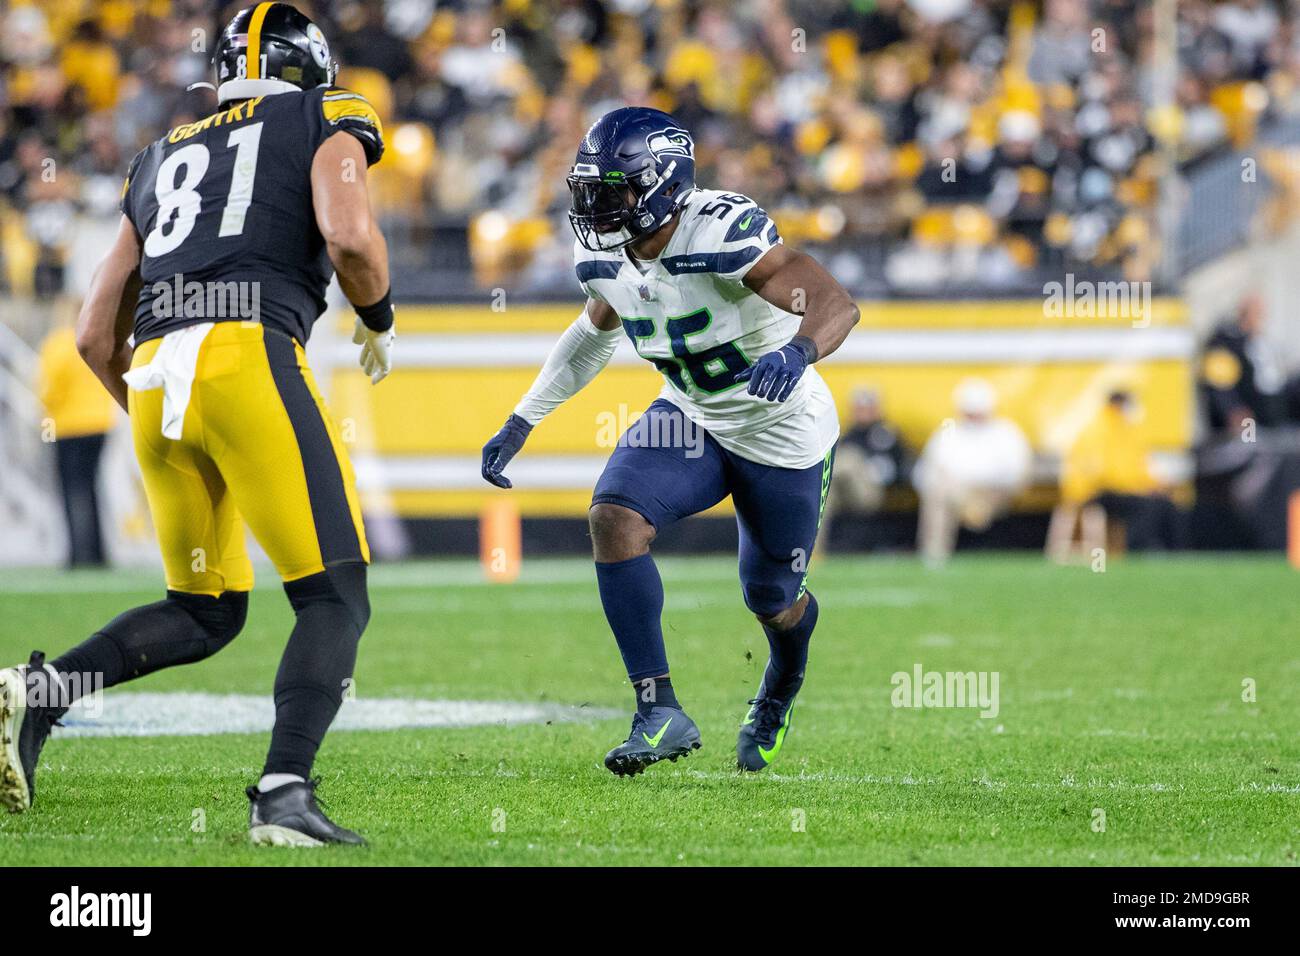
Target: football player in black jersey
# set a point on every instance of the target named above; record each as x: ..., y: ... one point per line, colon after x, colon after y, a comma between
x: 196, y: 321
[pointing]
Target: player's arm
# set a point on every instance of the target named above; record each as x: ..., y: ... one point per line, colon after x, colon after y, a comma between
x: 108, y: 313
x: 582, y: 351
x: 355, y: 245
x: 796, y: 282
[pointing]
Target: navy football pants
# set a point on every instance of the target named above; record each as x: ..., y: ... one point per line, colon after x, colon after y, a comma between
x: 666, y: 468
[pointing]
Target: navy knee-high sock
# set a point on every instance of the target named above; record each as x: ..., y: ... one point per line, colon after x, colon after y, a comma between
x: 789, y: 649
x: 633, y: 597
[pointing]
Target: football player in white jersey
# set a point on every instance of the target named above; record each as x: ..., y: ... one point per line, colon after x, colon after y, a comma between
x: 700, y: 282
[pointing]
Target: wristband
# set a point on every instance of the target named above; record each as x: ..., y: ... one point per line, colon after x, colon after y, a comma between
x: 807, y: 346
x: 377, y: 317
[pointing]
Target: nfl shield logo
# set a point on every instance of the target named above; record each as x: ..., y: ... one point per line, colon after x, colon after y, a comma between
x: 645, y: 292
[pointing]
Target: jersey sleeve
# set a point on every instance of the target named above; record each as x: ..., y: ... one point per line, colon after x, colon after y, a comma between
x: 342, y: 109
x: 590, y: 267
x: 735, y: 235
x: 128, y: 194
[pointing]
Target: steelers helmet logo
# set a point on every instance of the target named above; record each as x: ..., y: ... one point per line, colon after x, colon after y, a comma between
x: 320, y: 49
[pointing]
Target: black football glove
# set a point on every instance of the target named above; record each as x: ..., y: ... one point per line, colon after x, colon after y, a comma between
x: 503, y: 446
x: 775, y: 374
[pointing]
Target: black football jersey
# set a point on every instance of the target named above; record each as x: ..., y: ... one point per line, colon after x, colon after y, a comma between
x: 223, y: 208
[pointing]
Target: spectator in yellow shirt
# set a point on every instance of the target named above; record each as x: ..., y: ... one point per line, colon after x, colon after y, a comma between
x: 80, y: 414
x: 89, y: 61
x: 1106, y: 475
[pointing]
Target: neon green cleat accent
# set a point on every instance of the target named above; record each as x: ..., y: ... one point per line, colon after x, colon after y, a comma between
x: 769, y: 755
x: 762, y: 732
x: 654, y: 741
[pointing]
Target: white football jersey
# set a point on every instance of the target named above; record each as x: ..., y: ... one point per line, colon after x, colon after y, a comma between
x: 692, y: 316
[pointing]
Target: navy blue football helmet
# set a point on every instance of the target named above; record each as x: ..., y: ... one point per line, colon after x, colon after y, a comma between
x: 634, y: 168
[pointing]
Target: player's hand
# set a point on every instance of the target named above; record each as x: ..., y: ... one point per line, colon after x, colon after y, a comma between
x: 775, y: 374
x: 503, y: 446
x: 376, y: 351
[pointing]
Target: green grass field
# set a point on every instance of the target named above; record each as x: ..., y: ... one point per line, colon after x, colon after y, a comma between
x: 1120, y: 692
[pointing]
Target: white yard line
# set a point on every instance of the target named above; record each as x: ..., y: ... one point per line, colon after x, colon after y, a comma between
x: 189, y: 714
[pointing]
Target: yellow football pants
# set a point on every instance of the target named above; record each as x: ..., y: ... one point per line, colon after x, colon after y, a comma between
x: 257, y: 444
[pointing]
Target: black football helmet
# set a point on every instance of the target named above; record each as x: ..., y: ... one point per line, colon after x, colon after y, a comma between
x: 271, y: 48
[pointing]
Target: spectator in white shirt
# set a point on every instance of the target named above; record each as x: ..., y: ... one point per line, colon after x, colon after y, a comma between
x: 971, y: 468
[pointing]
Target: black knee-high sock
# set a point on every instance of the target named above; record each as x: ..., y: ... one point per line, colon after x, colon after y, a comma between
x: 789, y: 650
x: 632, y: 594
x: 180, y: 630
x: 332, y: 611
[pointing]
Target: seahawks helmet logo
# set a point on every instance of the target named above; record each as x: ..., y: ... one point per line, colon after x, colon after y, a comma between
x: 672, y: 141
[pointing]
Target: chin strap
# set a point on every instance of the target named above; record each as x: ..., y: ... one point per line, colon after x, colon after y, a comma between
x: 649, y: 227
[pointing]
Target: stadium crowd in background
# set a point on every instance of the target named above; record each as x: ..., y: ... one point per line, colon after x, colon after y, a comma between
x: 911, y: 144
x: 927, y: 141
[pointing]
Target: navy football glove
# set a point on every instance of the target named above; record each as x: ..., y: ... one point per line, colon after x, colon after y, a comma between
x: 775, y: 374
x: 503, y: 446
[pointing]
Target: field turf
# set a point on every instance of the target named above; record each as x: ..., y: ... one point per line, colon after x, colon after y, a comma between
x: 1122, y: 735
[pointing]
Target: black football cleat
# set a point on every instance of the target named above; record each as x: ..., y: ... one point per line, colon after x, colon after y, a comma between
x: 26, y: 717
x: 290, y: 816
x: 666, y: 734
x: 762, y: 732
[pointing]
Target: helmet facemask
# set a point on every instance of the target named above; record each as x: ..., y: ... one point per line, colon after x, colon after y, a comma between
x: 602, y: 212
x: 608, y: 212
